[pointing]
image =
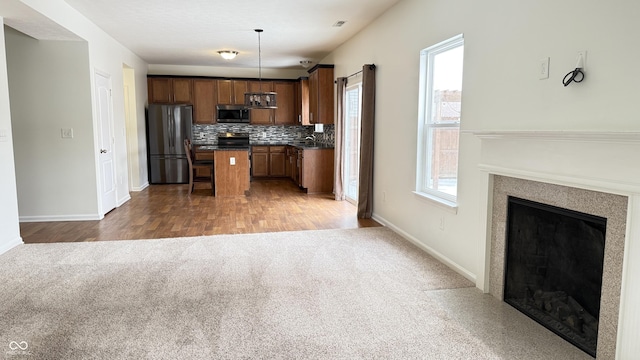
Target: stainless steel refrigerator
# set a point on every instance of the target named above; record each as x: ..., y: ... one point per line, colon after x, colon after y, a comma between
x: 167, y: 127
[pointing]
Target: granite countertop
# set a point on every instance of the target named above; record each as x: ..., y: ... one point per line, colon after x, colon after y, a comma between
x: 299, y: 144
x: 208, y: 147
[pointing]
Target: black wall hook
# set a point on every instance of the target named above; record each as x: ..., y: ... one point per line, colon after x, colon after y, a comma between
x: 573, y: 76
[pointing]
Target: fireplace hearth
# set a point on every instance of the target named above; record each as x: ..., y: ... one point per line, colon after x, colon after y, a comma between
x: 554, y: 267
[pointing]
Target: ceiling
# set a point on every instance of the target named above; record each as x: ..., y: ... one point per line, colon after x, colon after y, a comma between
x: 191, y: 32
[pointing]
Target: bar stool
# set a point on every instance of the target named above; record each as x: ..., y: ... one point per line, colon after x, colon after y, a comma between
x: 195, y: 165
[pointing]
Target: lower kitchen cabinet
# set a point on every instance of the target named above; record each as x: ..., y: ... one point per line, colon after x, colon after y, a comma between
x: 204, y: 155
x: 315, y: 170
x: 310, y: 169
x: 260, y: 161
x: 268, y: 161
x: 277, y: 161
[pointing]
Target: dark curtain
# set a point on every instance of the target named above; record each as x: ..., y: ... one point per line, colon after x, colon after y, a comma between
x: 338, y: 186
x: 365, y: 187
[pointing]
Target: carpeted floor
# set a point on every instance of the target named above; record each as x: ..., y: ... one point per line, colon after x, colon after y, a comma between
x: 327, y: 294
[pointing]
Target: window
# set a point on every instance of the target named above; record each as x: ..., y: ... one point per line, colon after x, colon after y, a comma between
x: 439, y: 120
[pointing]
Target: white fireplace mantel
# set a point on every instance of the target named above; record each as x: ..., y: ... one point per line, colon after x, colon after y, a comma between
x: 605, y: 161
x: 559, y: 135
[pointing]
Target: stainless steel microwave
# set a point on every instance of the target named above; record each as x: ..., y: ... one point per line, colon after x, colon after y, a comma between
x: 233, y: 114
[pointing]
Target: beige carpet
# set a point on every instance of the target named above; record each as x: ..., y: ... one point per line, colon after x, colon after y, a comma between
x: 328, y: 294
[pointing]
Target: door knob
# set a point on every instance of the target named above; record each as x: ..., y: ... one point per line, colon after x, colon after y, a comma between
x: 103, y: 151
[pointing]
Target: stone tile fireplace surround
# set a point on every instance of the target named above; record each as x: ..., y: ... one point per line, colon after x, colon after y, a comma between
x: 596, y: 173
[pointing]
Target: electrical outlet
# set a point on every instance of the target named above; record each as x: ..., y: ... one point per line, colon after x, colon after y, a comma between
x: 543, y: 68
x: 66, y: 133
x: 442, y: 223
x: 232, y: 161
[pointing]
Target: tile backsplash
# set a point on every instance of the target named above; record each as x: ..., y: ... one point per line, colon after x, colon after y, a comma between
x: 208, y: 134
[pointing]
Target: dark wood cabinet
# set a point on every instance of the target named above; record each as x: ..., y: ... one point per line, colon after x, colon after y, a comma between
x: 301, y: 101
x: 315, y: 170
x: 285, y: 113
x: 321, y: 94
x: 169, y: 90
x: 231, y: 92
x: 225, y: 91
x: 262, y: 116
x: 204, y: 101
x: 239, y: 88
x: 203, y: 155
x: 260, y: 161
x: 205, y: 93
x: 277, y: 161
x: 268, y: 161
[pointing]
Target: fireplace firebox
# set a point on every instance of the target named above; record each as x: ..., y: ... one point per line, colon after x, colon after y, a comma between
x: 553, y: 268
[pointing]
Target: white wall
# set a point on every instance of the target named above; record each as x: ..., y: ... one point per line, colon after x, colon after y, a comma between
x: 50, y: 90
x: 138, y: 173
x: 107, y: 56
x: 504, y: 41
x: 9, y: 227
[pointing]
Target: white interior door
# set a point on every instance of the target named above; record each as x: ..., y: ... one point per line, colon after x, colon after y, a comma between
x: 105, y: 143
x: 352, y: 142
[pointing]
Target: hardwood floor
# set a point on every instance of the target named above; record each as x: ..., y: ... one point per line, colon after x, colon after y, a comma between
x: 164, y: 211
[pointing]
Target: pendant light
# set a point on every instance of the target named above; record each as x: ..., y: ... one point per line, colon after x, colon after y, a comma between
x: 260, y: 99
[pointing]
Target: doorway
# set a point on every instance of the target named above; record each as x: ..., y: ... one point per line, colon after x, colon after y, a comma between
x: 353, y: 98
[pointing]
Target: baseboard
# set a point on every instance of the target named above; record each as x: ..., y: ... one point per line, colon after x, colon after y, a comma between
x: 140, y: 188
x: 47, y: 218
x: 429, y: 250
x: 123, y: 200
x: 10, y: 245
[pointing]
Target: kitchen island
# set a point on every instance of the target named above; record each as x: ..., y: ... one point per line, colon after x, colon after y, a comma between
x: 230, y: 169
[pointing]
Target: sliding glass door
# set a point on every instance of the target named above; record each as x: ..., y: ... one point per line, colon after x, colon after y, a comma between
x: 352, y: 141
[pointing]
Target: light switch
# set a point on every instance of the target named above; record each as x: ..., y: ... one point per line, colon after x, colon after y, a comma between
x: 232, y: 161
x: 543, y: 68
x: 3, y: 136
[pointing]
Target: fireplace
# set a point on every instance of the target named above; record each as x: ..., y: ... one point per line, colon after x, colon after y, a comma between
x: 593, y: 205
x: 553, y: 268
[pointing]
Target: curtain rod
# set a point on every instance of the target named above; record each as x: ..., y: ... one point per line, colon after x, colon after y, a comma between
x: 372, y: 66
x: 354, y: 74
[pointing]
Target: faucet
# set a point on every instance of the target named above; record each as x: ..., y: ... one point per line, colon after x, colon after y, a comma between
x: 312, y: 137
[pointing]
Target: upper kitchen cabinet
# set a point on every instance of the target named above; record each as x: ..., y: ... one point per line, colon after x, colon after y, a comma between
x: 261, y: 116
x: 301, y: 101
x: 164, y: 90
x: 231, y: 92
x: 321, y: 90
x: 285, y: 113
x: 204, y: 101
x: 239, y: 88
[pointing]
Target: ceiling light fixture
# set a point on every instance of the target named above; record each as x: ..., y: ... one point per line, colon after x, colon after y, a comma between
x: 305, y: 63
x: 228, y: 54
x: 260, y: 99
